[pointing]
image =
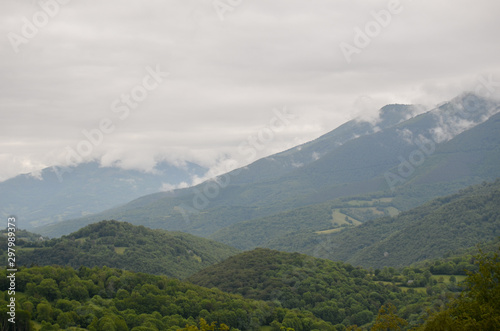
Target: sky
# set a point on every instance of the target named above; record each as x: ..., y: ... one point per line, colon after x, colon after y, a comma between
x: 132, y: 83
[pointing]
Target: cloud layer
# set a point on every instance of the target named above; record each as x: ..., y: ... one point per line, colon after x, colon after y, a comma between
x: 67, y: 66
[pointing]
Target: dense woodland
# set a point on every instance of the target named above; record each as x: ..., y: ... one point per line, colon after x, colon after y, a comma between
x: 335, y: 291
x: 126, y: 246
x: 111, y: 299
x: 62, y: 298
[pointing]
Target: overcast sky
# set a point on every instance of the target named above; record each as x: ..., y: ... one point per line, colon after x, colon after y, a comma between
x: 232, y: 67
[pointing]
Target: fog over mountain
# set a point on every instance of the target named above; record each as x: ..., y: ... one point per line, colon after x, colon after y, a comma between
x: 133, y: 84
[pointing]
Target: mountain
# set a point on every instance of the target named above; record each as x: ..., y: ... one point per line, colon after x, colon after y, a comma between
x: 288, y: 161
x: 467, y: 158
x: 432, y: 230
x: 123, y: 245
x: 260, y: 170
x: 58, y: 193
x: 410, y: 156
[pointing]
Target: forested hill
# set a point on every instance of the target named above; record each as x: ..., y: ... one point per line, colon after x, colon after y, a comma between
x: 430, y: 231
x: 126, y: 246
x: 333, y: 291
x: 105, y: 299
x: 62, y: 298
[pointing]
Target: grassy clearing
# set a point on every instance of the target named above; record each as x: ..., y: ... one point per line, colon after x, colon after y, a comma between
x: 26, y: 249
x: 339, y: 219
x: 339, y: 222
x: 120, y: 250
x: 392, y: 211
x: 385, y: 199
x: 375, y: 211
x: 416, y: 289
x: 329, y: 231
x: 446, y: 278
x: 197, y: 258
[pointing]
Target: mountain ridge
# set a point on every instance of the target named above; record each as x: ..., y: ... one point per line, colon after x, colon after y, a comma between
x: 58, y: 193
x: 353, y: 168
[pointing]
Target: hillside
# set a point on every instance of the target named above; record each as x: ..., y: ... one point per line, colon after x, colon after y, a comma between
x: 429, y: 231
x: 445, y: 225
x: 59, y: 193
x: 359, y: 166
x: 432, y: 230
x: 323, y: 218
x: 57, y: 298
x: 334, y: 291
x: 455, y: 161
x: 123, y: 245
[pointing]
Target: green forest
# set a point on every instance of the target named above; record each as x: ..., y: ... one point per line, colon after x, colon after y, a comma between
x: 125, y: 246
x: 112, y: 299
x: 262, y: 290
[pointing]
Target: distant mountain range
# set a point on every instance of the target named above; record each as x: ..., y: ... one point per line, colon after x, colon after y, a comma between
x: 59, y: 193
x: 403, y: 160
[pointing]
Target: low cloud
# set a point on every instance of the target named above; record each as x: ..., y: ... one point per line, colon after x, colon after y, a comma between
x: 225, y: 77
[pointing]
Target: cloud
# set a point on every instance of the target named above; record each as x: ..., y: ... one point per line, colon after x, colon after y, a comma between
x: 451, y: 128
x: 166, y: 187
x: 225, y: 77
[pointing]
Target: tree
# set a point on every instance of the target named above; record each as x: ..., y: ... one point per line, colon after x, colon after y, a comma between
x: 478, y: 307
x: 44, y: 312
x: 387, y: 319
x: 204, y: 326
